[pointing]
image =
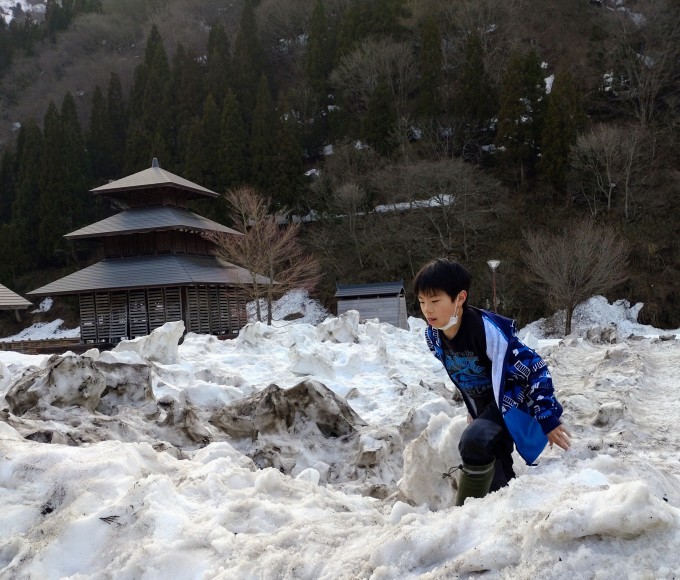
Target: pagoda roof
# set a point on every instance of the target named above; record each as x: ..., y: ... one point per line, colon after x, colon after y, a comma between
x: 152, y: 178
x: 148, y: 272
x: 11, y: 300
x: 149, y: 219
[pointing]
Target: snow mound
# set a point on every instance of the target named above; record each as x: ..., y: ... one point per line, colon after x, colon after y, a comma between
x: 594, y: 312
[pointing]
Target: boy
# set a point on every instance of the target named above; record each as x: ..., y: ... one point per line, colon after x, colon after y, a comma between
x: 505, y: 385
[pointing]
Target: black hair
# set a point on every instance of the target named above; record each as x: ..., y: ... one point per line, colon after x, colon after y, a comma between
x: 442, y: 275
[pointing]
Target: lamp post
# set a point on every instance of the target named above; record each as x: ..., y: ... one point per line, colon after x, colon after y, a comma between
x: 493, y: 264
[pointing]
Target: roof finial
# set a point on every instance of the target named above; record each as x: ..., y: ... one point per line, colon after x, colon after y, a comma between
x: 155, y: 163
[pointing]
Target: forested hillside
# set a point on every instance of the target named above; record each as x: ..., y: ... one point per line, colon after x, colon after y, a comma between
x: 511, y: 116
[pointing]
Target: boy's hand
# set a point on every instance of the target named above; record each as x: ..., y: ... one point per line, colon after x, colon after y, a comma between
x: 560, y: 437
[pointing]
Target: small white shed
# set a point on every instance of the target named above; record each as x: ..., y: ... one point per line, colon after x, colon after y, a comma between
x: 385, y: 301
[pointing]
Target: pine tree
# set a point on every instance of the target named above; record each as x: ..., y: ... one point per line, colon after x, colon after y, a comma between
x: 475, y: 101
x: 117, y: 123
x: 7, y: 185
x: 184, y: 100
x: 262, y: 146
x: 54, y: 215
x: 218, y: 63
x: 146, y: 104
x: 26, y: 206
x: 247, y: 63
x: 6, y: 47
x: 233, y: 159
x: 364, y: 18
x: 211, y: 136
x: 99, y: 137
x: 431, y: 76
x: 380, y: 119
x: 77, y: 170
x: 137, y: 148
x: 319, y: 56
x: 193, y: 157
x: 564, y: 118
x: 520, y: 118
x: 286, y: 183
x: 154, y: 42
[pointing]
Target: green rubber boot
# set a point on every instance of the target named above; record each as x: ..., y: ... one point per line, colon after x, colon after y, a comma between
x: 474, y: 481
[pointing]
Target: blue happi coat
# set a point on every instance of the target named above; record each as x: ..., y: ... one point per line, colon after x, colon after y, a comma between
x: 522, y: 385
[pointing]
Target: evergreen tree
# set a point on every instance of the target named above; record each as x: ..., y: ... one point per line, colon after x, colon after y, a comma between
x: 520, y: 118
x: 64, y: 177
x: 117, y: 123
x: 364, y: 18
x: 380, y: 119
x: 78, y: 175
x: 475, y: 101
x: 6, y: 47
x: 146, y: 104
x: 184, y: 101
x: 154, y: 42
x: 286, y: 182
x: 319, y: 56
x: 233, y: 158
x: 137, y: 148
x: 211, y: 124
x: 26, y: 206
x: 54, y: 215
x: 218, y: 63
x: 431, y: 62
x: 193, y: 157
x: 7, y: 185
x: 564, y: 118
x: 58, y: 15
x: 248, y: 62
x: 10, y: 261
x: 98, y: 139
x: 263, y: 149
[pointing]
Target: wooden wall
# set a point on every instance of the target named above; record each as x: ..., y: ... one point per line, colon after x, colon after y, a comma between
x: 390, y: 309
x: 108, y: 317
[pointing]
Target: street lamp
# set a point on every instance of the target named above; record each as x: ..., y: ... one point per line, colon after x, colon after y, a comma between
x: 493, y: 264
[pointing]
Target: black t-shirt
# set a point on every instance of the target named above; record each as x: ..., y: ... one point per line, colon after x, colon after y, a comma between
x: 467, y: 363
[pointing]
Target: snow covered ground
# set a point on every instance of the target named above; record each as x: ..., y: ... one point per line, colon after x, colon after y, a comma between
x: 318, y: 451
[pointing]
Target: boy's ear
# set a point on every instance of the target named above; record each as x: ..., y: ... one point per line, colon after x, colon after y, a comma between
x: 462, y: 295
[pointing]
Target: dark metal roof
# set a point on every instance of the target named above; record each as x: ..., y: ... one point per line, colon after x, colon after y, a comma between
x: 147, y: 272
x: 380, y: 289
x: 11, y: 300
x: 152, y: 178
x: 148, y: 219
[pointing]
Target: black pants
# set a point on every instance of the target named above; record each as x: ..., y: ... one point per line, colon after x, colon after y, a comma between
x: 487, y: 439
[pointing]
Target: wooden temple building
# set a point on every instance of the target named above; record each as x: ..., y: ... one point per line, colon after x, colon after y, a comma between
x: 156, y: 266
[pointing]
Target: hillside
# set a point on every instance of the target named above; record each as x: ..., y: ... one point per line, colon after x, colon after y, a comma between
x: 530, y: 116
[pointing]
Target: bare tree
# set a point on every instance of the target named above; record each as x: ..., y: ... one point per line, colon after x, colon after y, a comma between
x: 269, y: 249
x: 610, y: 159
x: 569, y: 267
x: 460, y: 200
x: 349, y: 200
x: 646, y: 58
x: 359, y: 72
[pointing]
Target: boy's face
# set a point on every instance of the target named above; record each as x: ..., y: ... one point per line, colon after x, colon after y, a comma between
x: 438, y: 307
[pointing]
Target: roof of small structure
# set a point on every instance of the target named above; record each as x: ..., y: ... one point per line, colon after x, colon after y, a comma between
x: 149, y: 219
x: 148, y: 272
x: 379, y: 289
x: 152, y: 178
x: 11, y: 300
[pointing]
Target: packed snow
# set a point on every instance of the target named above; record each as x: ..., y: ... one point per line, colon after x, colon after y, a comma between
x: 318, y: 450
x: 35, y: 9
